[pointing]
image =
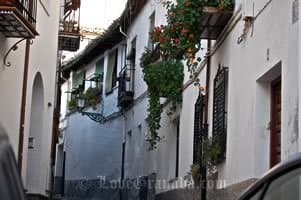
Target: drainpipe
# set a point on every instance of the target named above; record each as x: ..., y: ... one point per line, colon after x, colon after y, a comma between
x: 56, y: 122
x: 299, y: 80
x: 204, y: 167
x: 23, y: 106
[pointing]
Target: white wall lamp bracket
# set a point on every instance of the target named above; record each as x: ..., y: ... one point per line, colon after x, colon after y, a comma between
x: 248, y: 24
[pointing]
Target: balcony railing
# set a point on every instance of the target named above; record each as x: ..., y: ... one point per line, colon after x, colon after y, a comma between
x: 126, y: 86
x: 214, y: 19
x: 18, y: 18
x: 69, y: 39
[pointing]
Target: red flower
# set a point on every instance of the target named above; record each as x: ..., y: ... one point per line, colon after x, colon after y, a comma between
x: 176, y: 40
x: 158, y: 30
x: 184, y: 30
x: 161, y: 39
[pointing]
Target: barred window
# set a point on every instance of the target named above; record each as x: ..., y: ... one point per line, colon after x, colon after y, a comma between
x: 220, y: 109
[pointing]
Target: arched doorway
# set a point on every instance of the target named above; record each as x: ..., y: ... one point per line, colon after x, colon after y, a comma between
x: 33, y: 174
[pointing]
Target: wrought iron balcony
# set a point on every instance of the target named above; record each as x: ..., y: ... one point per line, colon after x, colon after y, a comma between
x: 69, y: 37
x: 126, y: 86
x: 18, y: 18
x: 214, y: 19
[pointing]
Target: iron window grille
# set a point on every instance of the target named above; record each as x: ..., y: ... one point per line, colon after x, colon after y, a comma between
x: 199, y: 128
x: 219, y: 131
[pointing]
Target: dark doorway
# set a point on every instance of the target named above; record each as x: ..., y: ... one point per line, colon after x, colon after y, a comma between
x: 275, y: 149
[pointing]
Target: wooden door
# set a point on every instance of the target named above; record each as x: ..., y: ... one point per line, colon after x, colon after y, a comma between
x: 275, y: 143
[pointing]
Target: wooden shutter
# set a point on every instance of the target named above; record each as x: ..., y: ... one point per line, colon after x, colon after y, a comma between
x: 219, y: 109
x: 99, y: 71
x: 114, y: 73
x: 99, y: 67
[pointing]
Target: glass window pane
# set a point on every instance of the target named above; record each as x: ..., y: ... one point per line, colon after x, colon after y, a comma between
x: 285, y: 187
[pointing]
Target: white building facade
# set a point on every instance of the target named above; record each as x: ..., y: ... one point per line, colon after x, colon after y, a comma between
x: 28, y: 85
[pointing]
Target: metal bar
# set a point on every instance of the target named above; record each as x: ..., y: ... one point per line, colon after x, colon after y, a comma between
x: 23, y: 106
x: 13, y: 48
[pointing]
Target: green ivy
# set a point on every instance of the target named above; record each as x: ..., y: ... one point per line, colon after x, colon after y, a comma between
x: 179, y: 40
x: 164, y: 79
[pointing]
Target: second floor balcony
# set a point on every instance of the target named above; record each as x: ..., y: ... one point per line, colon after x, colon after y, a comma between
x: 215, y: 17
x: 126, y: 86
x: 69, y: 36
x: 18, y: 18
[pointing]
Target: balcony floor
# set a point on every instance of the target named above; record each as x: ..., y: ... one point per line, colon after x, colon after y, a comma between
x: 13, y: 24
x: 214, y: 22
x: 69, y: 41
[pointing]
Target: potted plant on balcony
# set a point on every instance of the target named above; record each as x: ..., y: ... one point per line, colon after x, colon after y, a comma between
x: 71, y: 104
x: 92, y: 97
x: 180, y: 38
x: 70, y: 26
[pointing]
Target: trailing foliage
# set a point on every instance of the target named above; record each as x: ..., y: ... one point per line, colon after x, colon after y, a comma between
x: 179, y: 40
x: 164, y: 79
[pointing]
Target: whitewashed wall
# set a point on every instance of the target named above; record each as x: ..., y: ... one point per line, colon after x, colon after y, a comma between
x: 248, y: 118
x: 249, y: 95
x: 11, y: 80
x: 43, y: 59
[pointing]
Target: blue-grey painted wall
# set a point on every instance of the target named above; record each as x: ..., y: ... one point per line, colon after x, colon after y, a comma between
x: 93, y: 150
